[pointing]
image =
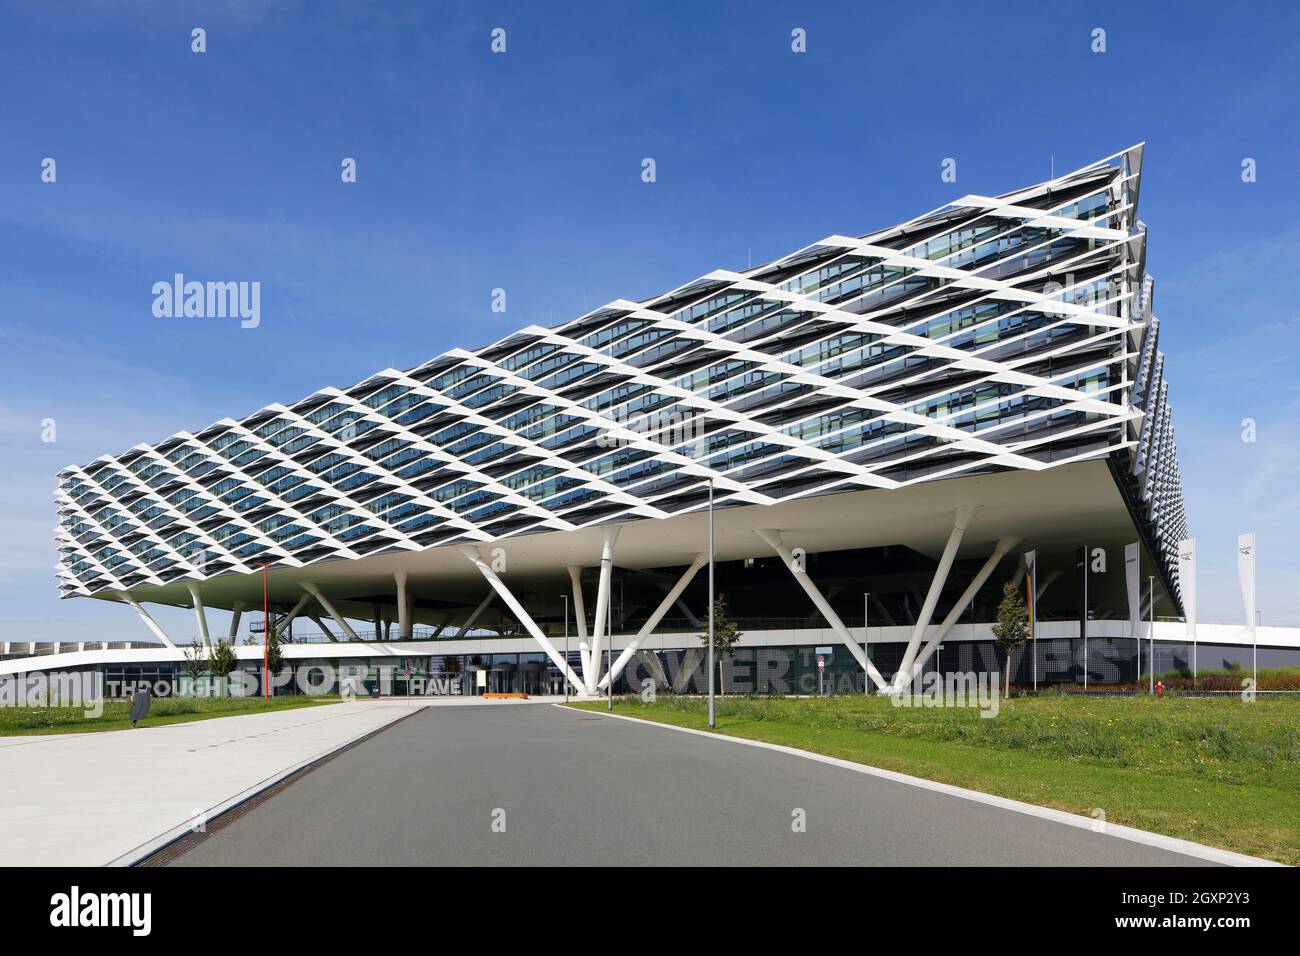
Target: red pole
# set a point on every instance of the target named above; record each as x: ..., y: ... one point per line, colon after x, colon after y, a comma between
x: 266, y: 636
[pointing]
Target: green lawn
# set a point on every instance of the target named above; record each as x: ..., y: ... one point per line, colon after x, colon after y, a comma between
x: 16, y: 721
x: 1217, y: 771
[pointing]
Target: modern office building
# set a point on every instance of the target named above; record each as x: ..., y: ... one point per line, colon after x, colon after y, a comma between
x: 885, y: 423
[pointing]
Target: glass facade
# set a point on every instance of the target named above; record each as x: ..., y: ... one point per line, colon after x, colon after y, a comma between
x: 763, y: 671
x: 1004, y: 332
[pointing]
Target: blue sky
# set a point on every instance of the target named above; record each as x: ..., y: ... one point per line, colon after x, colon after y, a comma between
x: 522, y: 171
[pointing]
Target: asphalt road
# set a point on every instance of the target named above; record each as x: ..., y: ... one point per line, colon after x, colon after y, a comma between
x: 575, y: 788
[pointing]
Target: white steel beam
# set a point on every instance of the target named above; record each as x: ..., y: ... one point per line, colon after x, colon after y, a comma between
x: 580, y: 613
x: 403, y: 608
x: 478, y: 611
x: 288, y: 618
x: 602, y: 602
x: 681, y: 605
x: 476, y: 558
x: 882, y: 610
x: 199, y: 614
x: 961, y: 521
x: 236, y: 612
x: 999, y: 552
x: 1042, y: 585
x: 773, y: 539
x: 321, y: 624
x: 150, y: 623
x: 339, y: 619
x: 653, y: 620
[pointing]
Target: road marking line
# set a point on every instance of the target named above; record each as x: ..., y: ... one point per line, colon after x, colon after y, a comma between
x: 1132, y: 834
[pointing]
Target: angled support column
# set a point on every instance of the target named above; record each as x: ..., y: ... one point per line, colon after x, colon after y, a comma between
x: 773, y: 539
x: 149, y: 622
x: 288, y: 618
x: 999, y: 552
x: 653, y: 620
x: 883, y: 611
x: 321, y: 624
x: 478, y: 612
x: 475, y: 557
x: 199, y: 614
x: 681, y: 606
x: 236, y: 612
x: 315, y: 592
x: 1042, y: 585
x: 580, y: 613
x: 961, y: 521
x: 598, y: 635
x: 653, y: 665
x: 403, y: 608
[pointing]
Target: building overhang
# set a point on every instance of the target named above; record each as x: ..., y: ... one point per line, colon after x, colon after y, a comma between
x: 1056, y: 511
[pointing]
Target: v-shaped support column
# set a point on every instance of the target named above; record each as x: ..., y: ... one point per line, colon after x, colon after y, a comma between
x: 580, y: 613
x: 477, y: 613
x: 199, y: 614
x: 475, y: 557
x: 321, y: 624
x: 149, y: 622
x: 773, y: 539
x: 960, y: 522
x: 288, y: 618
x: 653, y: 620
x: 314, y: 591
x: 999, y: 552
x: 602, y: 603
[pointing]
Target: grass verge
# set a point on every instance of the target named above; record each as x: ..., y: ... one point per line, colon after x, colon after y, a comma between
x: 1219, y: 771
x: 22, y: 721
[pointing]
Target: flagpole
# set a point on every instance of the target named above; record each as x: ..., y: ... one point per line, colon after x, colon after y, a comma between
x: 266, y: 636
x: 1084, y: 624
x: 1031, y: 585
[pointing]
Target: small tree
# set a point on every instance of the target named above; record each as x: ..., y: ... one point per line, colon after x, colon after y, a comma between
x: 274, y: 659
x: 195, y: 662
x: 222, y: 660
x: 1012, y: 629
x: 725, y: 635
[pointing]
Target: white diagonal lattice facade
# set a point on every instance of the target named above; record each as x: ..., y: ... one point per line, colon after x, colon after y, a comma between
x: 1008, y: 332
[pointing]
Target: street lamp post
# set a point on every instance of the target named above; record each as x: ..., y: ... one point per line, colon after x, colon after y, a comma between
x: 609, y: 654
x: 565, y: 674
x: 712, y: 714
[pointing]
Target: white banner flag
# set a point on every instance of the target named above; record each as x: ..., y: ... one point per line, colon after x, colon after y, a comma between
x: 1246, y: 574
x: 1031, y: 584
x: 1133, y: 578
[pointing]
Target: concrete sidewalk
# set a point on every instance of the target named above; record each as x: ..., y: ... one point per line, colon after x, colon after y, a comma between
x: 88, y: 799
